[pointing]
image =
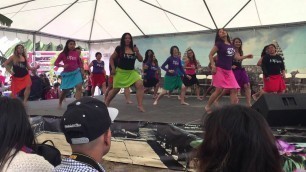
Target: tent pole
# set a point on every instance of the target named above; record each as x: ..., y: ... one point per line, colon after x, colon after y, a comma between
x: 176, y: 15
x: 34, y: 46
x: 1, y: 8
x: 236, y: 14
x: 212, y: 18
x: 93, y: 20
x: 130, y: 18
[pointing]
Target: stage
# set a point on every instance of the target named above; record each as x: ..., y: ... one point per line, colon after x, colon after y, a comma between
x: 168, y: 110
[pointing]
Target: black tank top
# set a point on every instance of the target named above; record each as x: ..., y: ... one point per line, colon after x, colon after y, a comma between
x: 20, y: 69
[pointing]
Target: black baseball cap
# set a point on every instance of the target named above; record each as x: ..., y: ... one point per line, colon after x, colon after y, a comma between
x: 86, y: 119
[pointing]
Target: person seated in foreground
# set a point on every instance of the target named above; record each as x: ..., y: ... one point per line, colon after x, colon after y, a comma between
x: 86, y: 126
x: 17, y: 142
x: 238, y: 139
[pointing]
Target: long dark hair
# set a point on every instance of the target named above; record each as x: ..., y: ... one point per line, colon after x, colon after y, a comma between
x: 24, y: 53
x: 264, y: 51
x: 147, y: 55
x: 240, y: 48
x: 194, y: 60
x: 122, y: 43
x: 218, y: 39
x: 66, y: 50
x: 238, y: 139
x: 15, y: 129
x: 172, y: 49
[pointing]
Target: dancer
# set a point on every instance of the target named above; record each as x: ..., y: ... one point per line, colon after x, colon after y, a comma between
x: 150, y: 70
x: 72, y: 73
x: 98, y: 74
x: 191, y: 66
x: 17, y: 65
x: 125, y: 74
x: 241, y: 75
x: 223, y: 76
x: 172, y: 79
x: 181, y: 75
x: 127, y: 93
x: 274, y: 73
x: 263, y: 53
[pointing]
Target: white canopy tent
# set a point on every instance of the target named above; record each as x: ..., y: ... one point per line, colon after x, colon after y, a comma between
x: 100, y: 20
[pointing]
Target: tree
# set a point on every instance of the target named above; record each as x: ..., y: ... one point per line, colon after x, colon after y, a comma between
x: 5, y: 21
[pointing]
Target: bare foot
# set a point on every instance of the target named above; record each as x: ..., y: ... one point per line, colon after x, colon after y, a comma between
x: 140, y: 108
x: 208, y: 109
x: 184, y: 103
x: 129, y: 102
x: 155, y: 102
x: 59, y: 106
x: 199, y: 98
x: 154, y: 97
x: 179, y: 97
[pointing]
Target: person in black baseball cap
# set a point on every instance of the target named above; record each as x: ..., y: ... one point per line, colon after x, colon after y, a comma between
x: 86, y: 126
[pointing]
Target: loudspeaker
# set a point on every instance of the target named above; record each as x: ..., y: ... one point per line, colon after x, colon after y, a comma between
x: 282, y: 110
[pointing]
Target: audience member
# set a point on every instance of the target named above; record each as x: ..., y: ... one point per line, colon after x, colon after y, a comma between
x: 17, y: 139
x: 238, y: 139
x: 86, y: 125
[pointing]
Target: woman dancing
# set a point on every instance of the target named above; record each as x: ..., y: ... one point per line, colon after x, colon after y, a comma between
x: 150, y: 71
x: 98, y: 74
x: 17, y: 65
x: 125, y: 74
x: 191, y: 66
x: 241, y: 75
x: 274, y: 73
x: 172, y: 79
x: 72, y: 75
x: 223, y: 76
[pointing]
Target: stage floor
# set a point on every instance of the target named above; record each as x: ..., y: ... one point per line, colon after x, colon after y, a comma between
x: 168, y: 110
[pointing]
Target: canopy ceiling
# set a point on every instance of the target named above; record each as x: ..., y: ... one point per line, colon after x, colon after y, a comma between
x: 108, y: 19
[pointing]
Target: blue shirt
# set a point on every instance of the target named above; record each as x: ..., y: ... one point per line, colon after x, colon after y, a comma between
x: 70, y: 165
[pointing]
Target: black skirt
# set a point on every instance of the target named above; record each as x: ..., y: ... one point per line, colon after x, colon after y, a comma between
x: 189, y: 82
x: 150, y: 82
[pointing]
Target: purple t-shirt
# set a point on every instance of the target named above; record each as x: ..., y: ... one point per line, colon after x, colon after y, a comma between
x: 226, y: 54
x: 174, y: 63
x: 150, y: 72
x: 73, y: 61
x: 97, y: 67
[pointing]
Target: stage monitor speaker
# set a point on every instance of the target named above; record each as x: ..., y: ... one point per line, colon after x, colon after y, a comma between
x: 283, y: 110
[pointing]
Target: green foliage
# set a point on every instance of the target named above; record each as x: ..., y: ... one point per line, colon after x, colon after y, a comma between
x: 5, y: 21
x: 293, y: 162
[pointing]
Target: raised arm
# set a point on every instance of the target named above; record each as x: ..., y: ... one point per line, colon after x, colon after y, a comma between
x: 239, y: 57
x: 138, y: 55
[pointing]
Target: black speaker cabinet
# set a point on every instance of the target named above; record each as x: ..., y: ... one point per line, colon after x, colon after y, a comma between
x: 282, y: 110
